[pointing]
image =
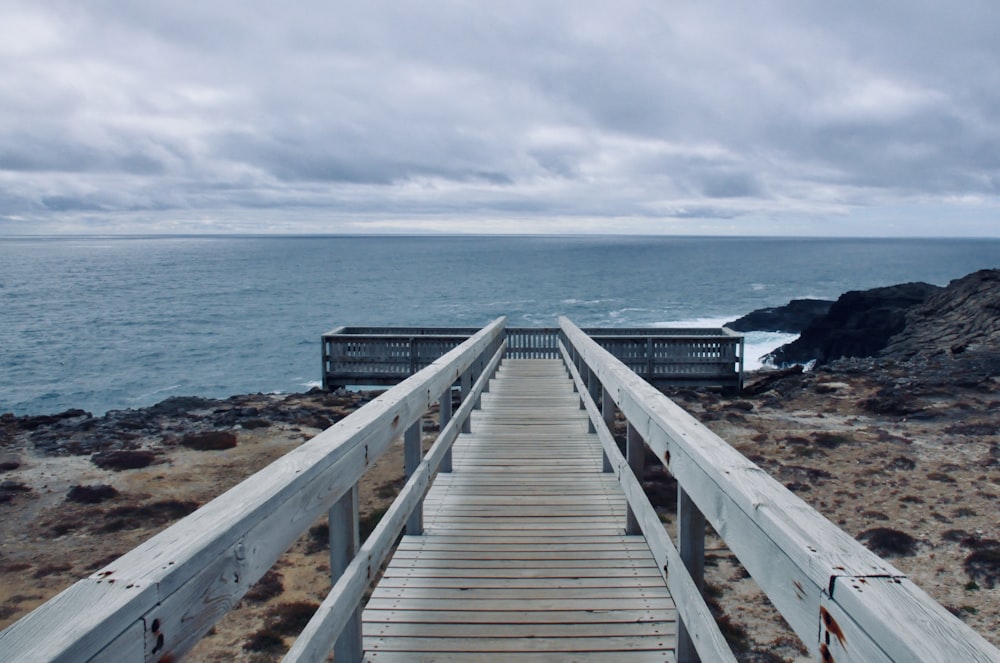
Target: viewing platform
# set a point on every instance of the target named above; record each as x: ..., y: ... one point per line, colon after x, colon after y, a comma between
x: 663, y: 356
x: 522, y: 534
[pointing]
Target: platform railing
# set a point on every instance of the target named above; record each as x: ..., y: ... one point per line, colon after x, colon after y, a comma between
x: 663, y: 356
x: 698, y: 633
x: 155, y: 602
x: 842, y: 600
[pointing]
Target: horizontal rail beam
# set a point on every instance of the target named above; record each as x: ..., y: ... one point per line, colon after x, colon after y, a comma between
x: 318, y: 637
x: 690, y: 605
x: 162, y: 596
x: 803, y: 562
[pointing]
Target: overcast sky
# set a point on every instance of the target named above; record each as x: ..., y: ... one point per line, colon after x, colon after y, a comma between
x: 708, y: 117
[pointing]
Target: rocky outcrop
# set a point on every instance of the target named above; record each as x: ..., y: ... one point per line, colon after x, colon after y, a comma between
x: 859, y: 324
x: 791, y: 318
x: 192, y: 421
x: 961, y: 319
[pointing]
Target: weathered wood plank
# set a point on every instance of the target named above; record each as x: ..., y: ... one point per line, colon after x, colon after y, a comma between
x: 513, y: 544
x: 522, y: 657
x: 580, y: 616
x: 500, y: 646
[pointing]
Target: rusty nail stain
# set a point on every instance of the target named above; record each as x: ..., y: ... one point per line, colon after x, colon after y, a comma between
x: 156, y: 625
x: 824, y: 653
x: 395, y: 421
x: 666, y: 456
x: 831, y: 625
x: 799, y: 590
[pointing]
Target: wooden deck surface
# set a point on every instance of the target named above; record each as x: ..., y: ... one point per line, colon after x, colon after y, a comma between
x: 524, y: 555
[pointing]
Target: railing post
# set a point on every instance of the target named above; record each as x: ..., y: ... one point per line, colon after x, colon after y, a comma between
x: 412, y: 454
x: 691, y: 546
x: 635, y: 452
x: 444, y: 416
x: 466, y: 387
x: 607, y: 408
x: 344, y: 544
x: 594, y: 389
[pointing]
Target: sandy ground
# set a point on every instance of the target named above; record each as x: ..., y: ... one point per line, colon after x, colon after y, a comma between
x: 928, y: 477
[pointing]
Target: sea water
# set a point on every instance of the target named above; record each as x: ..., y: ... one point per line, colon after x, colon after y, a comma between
x: 105, y: 323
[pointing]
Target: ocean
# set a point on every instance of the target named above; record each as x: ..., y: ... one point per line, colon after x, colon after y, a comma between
x: 103, y: 323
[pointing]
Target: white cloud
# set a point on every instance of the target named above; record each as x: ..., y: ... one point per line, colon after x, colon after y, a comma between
x: 637, y: 117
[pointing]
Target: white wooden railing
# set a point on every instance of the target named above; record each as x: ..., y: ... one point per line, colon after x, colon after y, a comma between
x: 843, y: 601
x: 155, y: 602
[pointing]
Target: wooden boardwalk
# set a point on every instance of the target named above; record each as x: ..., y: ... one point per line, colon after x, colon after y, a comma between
x: 524, y: 554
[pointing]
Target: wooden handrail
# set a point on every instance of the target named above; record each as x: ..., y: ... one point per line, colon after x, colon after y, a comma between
x: 333, y: 614
x: 156, y: 601
x: 844, y: 602
x: 691, y: 607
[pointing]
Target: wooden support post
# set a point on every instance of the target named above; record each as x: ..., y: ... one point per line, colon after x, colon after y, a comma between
x: 466, y: 387
x: 691, y: 546
x: 412, y: 454
x: 480, y: 364
x: 444, y: 416
x: 635, y: 452
x: 608, y: 409
x: 594, y: 387
x: 344, y: 545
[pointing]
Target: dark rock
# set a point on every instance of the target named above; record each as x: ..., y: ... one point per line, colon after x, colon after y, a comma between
x: 131, y: 516
x: 962, y: 318
x: 984, y: 566
x: 213, y: 440
x: 8, y: 463
x: 764, y: 381
x: 94, y: 494
x: 791, y: 318
x: 888, y: 542
x: 35, y: 422
x: 894, y: 402
x: 123, y: 459
x: 8, y: 489
x: 858, y: 324
x: 177, y: 405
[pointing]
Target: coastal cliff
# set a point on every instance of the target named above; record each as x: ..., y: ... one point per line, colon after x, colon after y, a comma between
x: 904, y: 322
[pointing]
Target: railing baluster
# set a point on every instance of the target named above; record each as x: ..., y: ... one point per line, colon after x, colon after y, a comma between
x: 635, y: 453
x: 412, y: 455
x: 691, y: 546
x: 344, y: 544
x: 444, y: 416
x: 466, y: 385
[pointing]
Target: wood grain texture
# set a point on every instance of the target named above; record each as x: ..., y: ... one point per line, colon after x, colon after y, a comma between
x: 794, y: 554
x: 187, y: 577
x: 523, y: 552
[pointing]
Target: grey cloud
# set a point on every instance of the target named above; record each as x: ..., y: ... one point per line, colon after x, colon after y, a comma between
x: 644, y: 109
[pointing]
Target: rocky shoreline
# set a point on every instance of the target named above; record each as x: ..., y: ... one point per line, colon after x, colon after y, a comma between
x: 901, y: 449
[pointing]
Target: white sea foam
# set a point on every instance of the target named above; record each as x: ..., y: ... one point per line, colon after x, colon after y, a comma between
x: 145, y: 396
x: 756, y: 345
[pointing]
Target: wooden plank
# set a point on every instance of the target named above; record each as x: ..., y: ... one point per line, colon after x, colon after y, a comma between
x: 581, y: 616
x: 501, y: 646
x: 400, y: 587
x: 521, y: 606
x: 584, y: 630
x: 521, y: 657
x: 511, y: 539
